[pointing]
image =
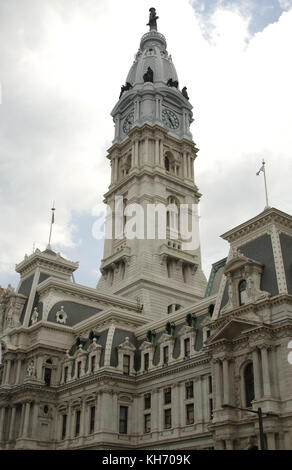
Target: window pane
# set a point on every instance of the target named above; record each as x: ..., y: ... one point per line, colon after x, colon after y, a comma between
x: 190, y: 413
x: 77, y: 423
x: 147, y: 423
x: 47, y: 377
x: 123, y: 420
x: 167, y: 418
x: 242, y: 292
x: 167, y: 396
x: 93, y: 364
x: 126, y: 364
x: 147, y: 401
x: 146, y: 361
x: 249, y: 384
x: 189, y: 390
x: 64, y: 426
x: 187, y: 347
x: 165, y: 355
x: 92, y: 419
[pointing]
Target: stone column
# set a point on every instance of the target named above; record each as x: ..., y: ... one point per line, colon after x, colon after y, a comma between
x: 225, y: 381
x: 229, y: 444
x: 26, y: 419
x: 256, y: 373
x: 82, y: 419
x: 185, y: 169
x: 18, y: 371
x: 137, y: 153
x: 175, y: 408
x: 271, y: 441
x: 192, y: 168
x: 157, y: 151
x: 266, y: 372
x: 146, y: 160
x: 161, y: 154
x: 35, y: 420
x: 155, y: 410
x: 12, y: 424
x: 218, y: 391
x: 69, y: 422
x: 2, y: 418
x: 199, y: 401
x: 7, y: 371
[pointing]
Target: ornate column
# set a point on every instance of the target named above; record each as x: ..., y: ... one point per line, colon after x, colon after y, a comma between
x: 175, y: 395
x: 161, y: 154
x: 26, y: 419
x: 157, y: 151
x: 12, y: 423
x: 218, y: 388
x: 146, y: 160
x: 256, y: 373
x: 82, y: 420
x: 155, y: 410
x: 185, y: 169
x: 35, y: 419
x: 225, y: 381
x: 137, y: 152
x: 266, y: 371
x: 2, y: 418
x: 7, y: 371
x: 199, y: 402
x: 18, y: 371
x: 69, y: 421
x: 271, y: 441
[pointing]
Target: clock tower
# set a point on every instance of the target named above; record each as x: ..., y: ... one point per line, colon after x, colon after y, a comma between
x: 152, y: 164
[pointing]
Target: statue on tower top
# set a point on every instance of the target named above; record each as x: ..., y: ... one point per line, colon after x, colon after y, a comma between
x: 152, y: 20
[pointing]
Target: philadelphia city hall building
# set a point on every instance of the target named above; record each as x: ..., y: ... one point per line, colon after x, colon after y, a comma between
x: 155, y: 357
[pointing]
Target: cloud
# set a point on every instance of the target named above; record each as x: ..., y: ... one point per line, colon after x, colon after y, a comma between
x: 62, y: 66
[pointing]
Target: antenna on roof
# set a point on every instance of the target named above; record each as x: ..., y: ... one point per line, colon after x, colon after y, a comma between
x: 51, y: 227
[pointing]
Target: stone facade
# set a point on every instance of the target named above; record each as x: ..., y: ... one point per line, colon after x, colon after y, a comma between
x: 147, y: 359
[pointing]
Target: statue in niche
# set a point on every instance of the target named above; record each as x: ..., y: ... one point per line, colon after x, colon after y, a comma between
x: 126, y: 87
x: 152, y: 19
x: 148, y: 76
x: 31, y: 368
x: 172, y: 83
x: 35, y: 316
x: 185, y: 93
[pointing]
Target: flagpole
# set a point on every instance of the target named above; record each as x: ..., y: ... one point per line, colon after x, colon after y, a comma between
x: 266, y: 190
x: 51, y: 227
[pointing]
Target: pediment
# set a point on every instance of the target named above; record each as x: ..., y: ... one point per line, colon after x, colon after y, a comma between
x: 232, y: 330
x: 238, y: 262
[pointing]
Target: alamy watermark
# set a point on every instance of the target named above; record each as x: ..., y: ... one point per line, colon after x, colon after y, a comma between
x: 148, y: 222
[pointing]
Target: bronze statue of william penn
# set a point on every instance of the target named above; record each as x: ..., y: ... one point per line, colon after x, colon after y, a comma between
x: 152, y: 20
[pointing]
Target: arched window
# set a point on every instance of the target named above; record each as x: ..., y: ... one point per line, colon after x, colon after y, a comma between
x: 166, y: 163
x: 248, y: 384
x: 242, y: 292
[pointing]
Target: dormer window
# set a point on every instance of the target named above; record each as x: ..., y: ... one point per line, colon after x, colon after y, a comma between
x: 166, y: 163
x: 242, y: 292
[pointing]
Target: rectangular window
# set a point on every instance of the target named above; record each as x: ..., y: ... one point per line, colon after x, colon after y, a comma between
x: 93, y: 359
x: 167, y: 418
x: 92, y: 419
x: 187, y: 347
x: 123, y: 420
x: 77, y: 422
x: 208, y: 333
x: 211, y: 408
x: 147, y: 401
x: 147, y: 423
x: 64, y: 426
x: 167, y: 396
x: 189, y: 390
x: 165, y: 355
x: 78, y: 369
x: 126, y: 364
x: 190, y: 413
x: 65, y: 375
x: 210, y: 384
x: 146, y: 361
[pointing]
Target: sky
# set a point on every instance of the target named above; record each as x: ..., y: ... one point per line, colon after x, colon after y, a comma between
x: 62, y: 64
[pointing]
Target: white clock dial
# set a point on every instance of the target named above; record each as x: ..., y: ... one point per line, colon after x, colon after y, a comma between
x: 170, y: 119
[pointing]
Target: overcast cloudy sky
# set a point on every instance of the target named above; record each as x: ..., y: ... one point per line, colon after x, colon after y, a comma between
x: 62, y: 63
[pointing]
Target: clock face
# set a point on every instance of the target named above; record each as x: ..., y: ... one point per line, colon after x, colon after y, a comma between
x: 170, y: 119
x: 128, y: 122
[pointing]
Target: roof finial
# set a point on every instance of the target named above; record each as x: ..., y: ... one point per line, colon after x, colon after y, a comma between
x: 262, y: 168
x: 52, y: 221
x: 152, y: 20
